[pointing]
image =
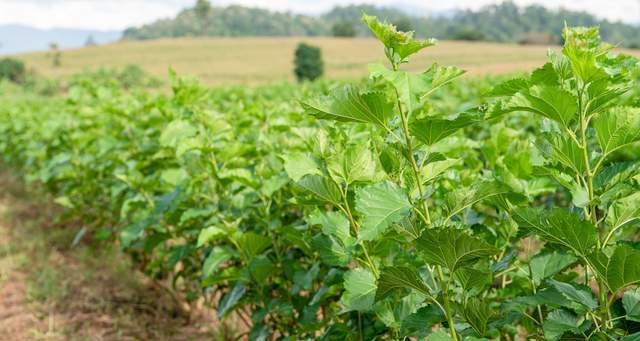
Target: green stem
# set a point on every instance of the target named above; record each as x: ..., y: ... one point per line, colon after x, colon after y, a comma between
x: 447, y: 307
x: 414, y: 165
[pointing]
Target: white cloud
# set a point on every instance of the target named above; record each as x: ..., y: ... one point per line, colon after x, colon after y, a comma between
x: 118, y: 14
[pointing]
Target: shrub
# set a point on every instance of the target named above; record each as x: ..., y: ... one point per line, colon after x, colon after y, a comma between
x: 343, y: 29
x: 12, y: 69
x: 468, y: 33
x: 308, y: 62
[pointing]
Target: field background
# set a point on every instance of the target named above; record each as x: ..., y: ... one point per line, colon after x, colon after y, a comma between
x: 224, y: 61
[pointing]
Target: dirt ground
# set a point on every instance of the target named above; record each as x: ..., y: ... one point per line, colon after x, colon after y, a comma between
x: 50, y: 290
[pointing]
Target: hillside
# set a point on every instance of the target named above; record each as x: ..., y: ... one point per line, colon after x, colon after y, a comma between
x: 219, y: 61
x: 504, y: 22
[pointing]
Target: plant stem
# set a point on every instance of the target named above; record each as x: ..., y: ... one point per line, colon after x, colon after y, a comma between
x: 447, y: 307
x: 412, y: 159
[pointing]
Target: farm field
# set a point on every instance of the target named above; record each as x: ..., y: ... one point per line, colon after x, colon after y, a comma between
x: 229, y: 61
x: 397, y: 201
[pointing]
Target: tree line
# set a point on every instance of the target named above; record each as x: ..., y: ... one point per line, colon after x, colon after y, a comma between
x: 504, y: 22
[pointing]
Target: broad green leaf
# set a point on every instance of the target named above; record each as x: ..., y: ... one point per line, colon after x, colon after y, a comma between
x: 549, y: 101
x: 509, y: 88
x: 558, y: 226
x: 398, y: 45
x: 432, y: 130
x: 208, y: 234
x: 355, y: 164
x: 332, y: 251
x: 478, y: 314
x: 617, y: 127
x: 623, y: 268
x: 452, y: 248
x: 624, y: 211
x: 298, y: 165
x: 460, y: 199
x: 393, y: 312
x: 559, y: 322
x: 260, y: 268
x: 434, y: 169
x: 566, y: 151
x: 217, y: 256
x: 419, y: 324
x: 399, y: 277
x: 380, y: 205
x: 175, y: 132
x: 347, y: 104
x: 473, y: 281
x: 440, y: 335
x: 578, y: 294
x: 230, y: 300
x: 615, y: 173
x: 582, y: 48
x: 251, y: 244
x: 322, y: 188
x: 359, y: 290
x: 548, y: 264
x: 631, y: 304
x: 333, y: 224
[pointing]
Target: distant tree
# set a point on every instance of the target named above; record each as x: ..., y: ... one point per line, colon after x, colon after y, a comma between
x: 404, y: 24
x: 308, y: 62
x: 202, y: 9
x: 468, y: 33
x: 12, y: 69
x: 91, y: 41
x: 55, y: 54
x: 343, y: 29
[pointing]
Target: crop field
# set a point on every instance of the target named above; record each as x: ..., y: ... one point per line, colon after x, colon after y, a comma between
x: 396, y: 199
x: 228, y: 61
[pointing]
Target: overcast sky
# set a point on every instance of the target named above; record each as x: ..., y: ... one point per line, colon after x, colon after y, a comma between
x: 119, y: 14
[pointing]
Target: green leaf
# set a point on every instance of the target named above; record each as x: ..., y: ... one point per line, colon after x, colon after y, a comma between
x: 347, y: 104
x: 578, y: 294
x: 548, y: 264
x: 558, y: 226
x: 478, y: 314
x: 260, y: 268
x: 355, y: 164
x: 175, y: 132
x: 566, y: 151
x: 252, y: 244
x: 434, y: 169
x: 230, y: 300
x: 398, y: 45
x: 380, y: 205
x: 549, y: 101
x: 333, y: 224
x: 432, y: 130
x: 631, y: 304
x: 208, y: 234
x: 399, y: 277
x: 623, y: 268
x: 440, y: 335
x: 452, y: 248
x: 460, y: 199
x: 624, y: 211
x: 217, y: 256
x: 582, y: 48
x: 413, y: 88
x: 509, y: 88
x: 322, y: 188
x: 419, y: 324
x: 332, y: 251
x: 359, y: 290
x: 617, y: 128
x: 559, y: 322
x: 298, y: 165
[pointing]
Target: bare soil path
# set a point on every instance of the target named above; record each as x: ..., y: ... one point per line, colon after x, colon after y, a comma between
x: 52, y: 291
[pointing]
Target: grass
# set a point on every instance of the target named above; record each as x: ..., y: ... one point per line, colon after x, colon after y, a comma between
x: 223, y: 61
